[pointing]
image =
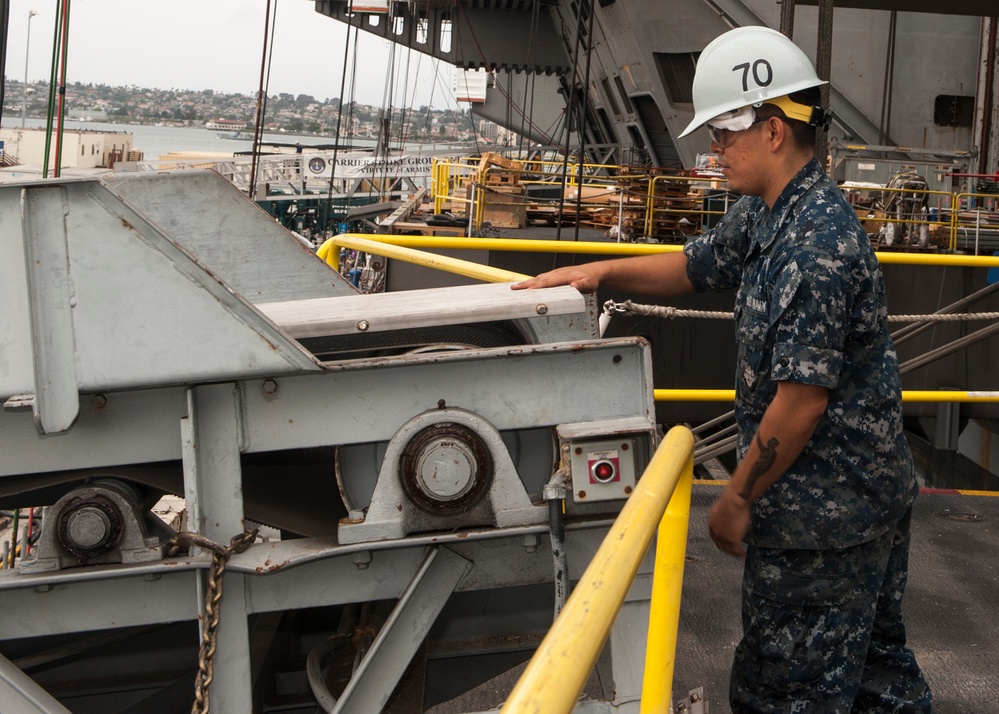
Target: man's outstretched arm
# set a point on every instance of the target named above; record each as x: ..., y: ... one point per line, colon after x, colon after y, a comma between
x: 663, y: 275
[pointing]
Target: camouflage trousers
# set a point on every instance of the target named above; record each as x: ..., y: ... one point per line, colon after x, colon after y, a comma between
x: 823, y: 632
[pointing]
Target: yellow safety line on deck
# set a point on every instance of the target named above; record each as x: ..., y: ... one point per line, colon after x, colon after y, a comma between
x: 559, y: 668
x: 728, y: 395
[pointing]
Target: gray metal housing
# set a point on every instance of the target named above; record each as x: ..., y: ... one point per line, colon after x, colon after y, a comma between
x: 136, y: 359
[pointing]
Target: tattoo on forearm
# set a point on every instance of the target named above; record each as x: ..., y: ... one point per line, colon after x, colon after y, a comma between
x: 768, y: 455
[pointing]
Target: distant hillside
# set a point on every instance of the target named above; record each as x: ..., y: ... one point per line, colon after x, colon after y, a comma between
x: 296, y: 114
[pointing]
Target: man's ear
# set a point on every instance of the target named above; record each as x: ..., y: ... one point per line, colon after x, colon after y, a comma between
x: 778, y: 133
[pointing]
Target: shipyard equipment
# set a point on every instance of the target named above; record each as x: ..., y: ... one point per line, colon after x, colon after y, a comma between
x: 374, y: 485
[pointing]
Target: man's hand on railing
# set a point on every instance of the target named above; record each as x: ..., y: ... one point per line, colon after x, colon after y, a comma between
x: 582, y: 277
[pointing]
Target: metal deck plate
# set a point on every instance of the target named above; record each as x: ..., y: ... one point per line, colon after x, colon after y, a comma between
x: 949, y: 604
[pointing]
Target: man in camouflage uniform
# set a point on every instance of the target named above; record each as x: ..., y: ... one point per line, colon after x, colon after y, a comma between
x: 824, y: 484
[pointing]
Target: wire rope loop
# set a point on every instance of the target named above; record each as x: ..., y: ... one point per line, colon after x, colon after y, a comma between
x: 612, y: 307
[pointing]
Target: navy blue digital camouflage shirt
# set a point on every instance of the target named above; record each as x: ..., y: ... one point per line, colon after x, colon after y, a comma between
x: 811, y: 310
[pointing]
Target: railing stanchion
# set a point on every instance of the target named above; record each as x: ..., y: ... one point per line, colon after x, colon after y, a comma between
x: 667, y: 588
x: 558, y: 670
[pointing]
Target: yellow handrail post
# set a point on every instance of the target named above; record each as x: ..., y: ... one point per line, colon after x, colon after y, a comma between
x: 955, y: 209
x: 650, y: 206
x: 441, y: 181
x: 667, y: 588
x: 558, y: 670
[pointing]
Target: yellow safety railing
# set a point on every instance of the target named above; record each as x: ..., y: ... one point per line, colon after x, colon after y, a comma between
x: 673, y: 206
x: 559, y: 668
x: 624, y: 249
x: 604, y: 185
x: 969, y: 219
x: 446, y: 178
x: 329, y: 253
x: 404, y: 248
x: 895, y: 217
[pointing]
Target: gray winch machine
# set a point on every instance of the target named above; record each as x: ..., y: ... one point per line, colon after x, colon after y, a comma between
x: 430, y: 455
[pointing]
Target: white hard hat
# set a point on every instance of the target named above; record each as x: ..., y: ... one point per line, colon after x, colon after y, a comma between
x: 747, y: 66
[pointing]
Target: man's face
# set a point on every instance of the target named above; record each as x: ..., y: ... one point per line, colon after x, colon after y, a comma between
x: 739, y: 154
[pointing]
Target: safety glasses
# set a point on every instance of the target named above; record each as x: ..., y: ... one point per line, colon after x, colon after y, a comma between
x: 724, y: 138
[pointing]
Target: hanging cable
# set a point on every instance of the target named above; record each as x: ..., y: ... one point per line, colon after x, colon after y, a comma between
x: 889, y: 82
x: 339, y: 116
x: 377, y: 169
x: 352, y: 92
x: 53, y: 75
x: 582, y: 122
x: 62, y: 88
x: 570, y: 112
x: 261, y: 93
x: 403, y: 103
x: 530, y: 75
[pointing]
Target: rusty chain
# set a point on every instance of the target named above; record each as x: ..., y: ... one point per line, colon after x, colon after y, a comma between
x: 213, y: 603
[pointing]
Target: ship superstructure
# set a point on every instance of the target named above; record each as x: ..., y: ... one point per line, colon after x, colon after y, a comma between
x: 917, y: 75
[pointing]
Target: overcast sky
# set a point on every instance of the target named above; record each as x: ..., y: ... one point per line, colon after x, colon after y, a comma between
x: 216, y: 44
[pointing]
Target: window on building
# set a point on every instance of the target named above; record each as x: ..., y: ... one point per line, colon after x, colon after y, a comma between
x: 676, y: 70
x: 952, y: 110
x: 624, y: 94
x: 610, y: 97
x: 606, y: 123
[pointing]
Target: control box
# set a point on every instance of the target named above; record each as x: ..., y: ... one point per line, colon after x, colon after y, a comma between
x: 602, y: 470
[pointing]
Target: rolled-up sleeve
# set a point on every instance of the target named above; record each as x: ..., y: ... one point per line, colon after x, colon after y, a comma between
x: 716, y: 258
x: 810, y: 316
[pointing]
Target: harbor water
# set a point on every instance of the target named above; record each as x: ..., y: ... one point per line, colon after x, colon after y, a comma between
x: 155, y: 141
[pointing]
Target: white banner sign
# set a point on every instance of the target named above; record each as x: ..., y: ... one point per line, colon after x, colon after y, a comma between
x: 367, y: 166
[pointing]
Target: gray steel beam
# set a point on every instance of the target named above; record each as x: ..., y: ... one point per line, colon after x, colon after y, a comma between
x: 490, y: 35
x: 213, y: 437
x: 514, y: 388
x: 53, y: 345
x: 20, y: 695
x: 98, y: 311
x: 422, y: 572
x: 977, y: 8
x: 96, y: 599
x: 284, y: 575
x: 403, y: 633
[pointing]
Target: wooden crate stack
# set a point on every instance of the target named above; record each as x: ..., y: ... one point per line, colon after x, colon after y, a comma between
x: 676, y: 205
x: 497, y: 184
x: 504, y: 203
x: 614, y: 210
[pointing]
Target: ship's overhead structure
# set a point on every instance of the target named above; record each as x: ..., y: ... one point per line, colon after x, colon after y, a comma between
x: 901, y: 74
